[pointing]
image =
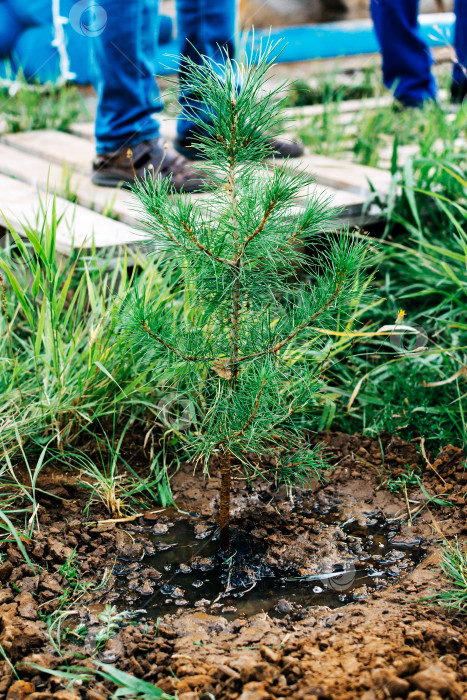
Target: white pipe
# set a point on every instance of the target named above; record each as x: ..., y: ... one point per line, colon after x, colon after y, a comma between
x: 60, y: 43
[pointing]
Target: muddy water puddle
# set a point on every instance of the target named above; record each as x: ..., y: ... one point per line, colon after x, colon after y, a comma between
x: 187, y: 571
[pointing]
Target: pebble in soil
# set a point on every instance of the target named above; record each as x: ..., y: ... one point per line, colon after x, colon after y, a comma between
x: 188, y: 571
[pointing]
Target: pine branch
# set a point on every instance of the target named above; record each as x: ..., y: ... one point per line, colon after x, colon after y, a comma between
x: 294, y: 237
x: 279, y: 345
x: 144, y: 189
x: 250, y: 420
x: 307, y: 322
x: 260, y: 228
x: 158, y: 339
x: 191, y: 235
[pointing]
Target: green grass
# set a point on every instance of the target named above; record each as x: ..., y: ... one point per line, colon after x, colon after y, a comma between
x: 61, y: 364
x: 421, y: 270
x: 127, y: 684
x: 453, y: 595
x: 25, y: 106
x: 367, y: 136
x: 73, y: 595
x: 373, y: 385
x: 332, y: 88
x: 111, y: 479
x: 64, y: 378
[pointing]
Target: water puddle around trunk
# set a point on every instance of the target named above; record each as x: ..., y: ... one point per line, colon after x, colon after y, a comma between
x: 188, y: 572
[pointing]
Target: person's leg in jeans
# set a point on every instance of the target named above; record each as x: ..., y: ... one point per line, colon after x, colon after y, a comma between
x: 406, y: 58
x: 124, y: 58
x: 207, y: 28
x: 459, y: 73
x: 127, y: 130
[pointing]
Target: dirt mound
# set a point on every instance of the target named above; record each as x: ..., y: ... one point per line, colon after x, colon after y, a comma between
x: 382, y: 645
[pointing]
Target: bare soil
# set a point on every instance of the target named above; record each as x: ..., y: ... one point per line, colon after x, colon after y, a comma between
x: 386, y: 643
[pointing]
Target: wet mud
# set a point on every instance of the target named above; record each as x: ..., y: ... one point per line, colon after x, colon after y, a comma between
x: 188, y: 569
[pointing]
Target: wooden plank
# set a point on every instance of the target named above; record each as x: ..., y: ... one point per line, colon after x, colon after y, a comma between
x: 64, y: 181
x: 294, y: 118
x: 59, y: 148
x: 344, y: 64
x: 83, y: 129
x: 349, y: 110
x: 54, y: 162
x: 403, y: 154
x: 350, y: 202
x: 21, y: 204
x: 55, y: 147
x: 55, y: 178
x: 350, y: 198
x: 343, y: 175
x: 345, y: 106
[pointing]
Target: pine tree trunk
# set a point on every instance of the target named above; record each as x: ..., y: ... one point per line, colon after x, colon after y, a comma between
x: 224, y: 515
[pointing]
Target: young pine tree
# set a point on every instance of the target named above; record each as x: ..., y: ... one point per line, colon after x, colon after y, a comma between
x: 240, y: 251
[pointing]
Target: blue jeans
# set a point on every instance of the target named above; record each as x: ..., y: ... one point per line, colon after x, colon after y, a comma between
x: 407, y: 59
x: 459, y: 74
x: 125, y: 64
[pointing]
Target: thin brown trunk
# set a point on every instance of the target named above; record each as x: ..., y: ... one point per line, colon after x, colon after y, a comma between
x: 224, y: 515
x: 225, y: 461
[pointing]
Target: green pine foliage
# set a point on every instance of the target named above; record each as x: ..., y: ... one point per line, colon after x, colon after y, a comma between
x: 256, y: 296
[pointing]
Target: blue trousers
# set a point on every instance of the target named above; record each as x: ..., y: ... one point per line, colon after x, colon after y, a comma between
x: 406, y: 58
x: 125, y: 64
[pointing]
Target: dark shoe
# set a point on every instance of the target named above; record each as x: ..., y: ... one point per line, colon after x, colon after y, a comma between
x: 458, y: 92
x: 121, y: 167
x: 188, y: 147
x: 282, y: 148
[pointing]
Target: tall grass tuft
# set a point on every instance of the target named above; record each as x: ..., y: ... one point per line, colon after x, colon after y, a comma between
x: 453, y: 563
x: 61, y: 363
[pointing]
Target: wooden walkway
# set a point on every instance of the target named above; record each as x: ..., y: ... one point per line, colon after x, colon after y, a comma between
x: 36, y: 164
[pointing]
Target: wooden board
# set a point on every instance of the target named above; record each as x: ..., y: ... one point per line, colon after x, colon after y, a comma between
x: 345, y: 106
x: 347, y: 109
x: 294, y: 119
x: 77, y: 153
x: 344, y: 175
x: 83, y: 129
x: 51, y: 177
x: 55, y: 147
x: 65, y: 181
x: 21, y: 205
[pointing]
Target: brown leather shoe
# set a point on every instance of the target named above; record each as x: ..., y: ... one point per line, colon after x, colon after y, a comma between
x: 121, y: 167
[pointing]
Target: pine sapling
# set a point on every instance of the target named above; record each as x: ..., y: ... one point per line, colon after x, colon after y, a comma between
x: 252, y: 345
